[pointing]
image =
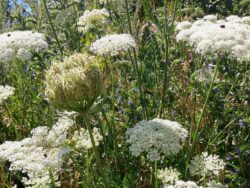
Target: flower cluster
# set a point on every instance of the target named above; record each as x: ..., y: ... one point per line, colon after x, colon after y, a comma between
x: 90, y: 19
x: 211, y: 36
x: 113, y: 44
x: 74, y: 83
x: 168, y: 176
x: 205, y: 74
x: 5, y: 92
x: 183, y: 184
x: 19, y: 44
x: 156, y: 138
x: 82, y: 138
x: 206, y: 165
x: 41, y: 155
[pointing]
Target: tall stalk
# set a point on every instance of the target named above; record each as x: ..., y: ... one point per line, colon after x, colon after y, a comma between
x: 144, y: 108
x: 52, y: 27
x: 167, y: 43
x: 201, y: 117
x: 156, y: 175
x: 87, y: 123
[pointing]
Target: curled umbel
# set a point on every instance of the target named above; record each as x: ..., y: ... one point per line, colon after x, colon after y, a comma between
x: 75, y: 83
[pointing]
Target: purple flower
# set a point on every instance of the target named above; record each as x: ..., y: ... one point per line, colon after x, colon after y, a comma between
x: 241, y: 123
x: 216, y: 90
x: 130, y: 102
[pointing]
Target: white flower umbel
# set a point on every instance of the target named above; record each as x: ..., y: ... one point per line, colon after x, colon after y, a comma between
x: 183, y: 184
x: 210, y: 36
x: 168, y: 176
x: 39, y: 156
x: 113, y: 44
x: 206, y: 165
x: 90, y: 19
x: 82, y: 138
x: 214, y: 184
x: 6, y: 92
x: 19, y: 44
x: 157, y: 138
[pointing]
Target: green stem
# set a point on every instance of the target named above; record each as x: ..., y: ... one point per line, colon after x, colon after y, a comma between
x: 205, y: 181
x: 95, y: 149
x: 156, y: 174
x: 144, y: 108
x: 201, y: 116
x: 205, y: 104
x: 167, y: 43
x: 52, y: 27
x: 114, y: 135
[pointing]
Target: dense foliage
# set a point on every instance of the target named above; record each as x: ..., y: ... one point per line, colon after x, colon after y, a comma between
x: 156, y: 92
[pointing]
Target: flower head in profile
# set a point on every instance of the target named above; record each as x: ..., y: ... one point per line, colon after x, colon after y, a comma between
x: 156, y: 138
x: 91, y: 19
x: 113, y: 44
x: 75, y: 83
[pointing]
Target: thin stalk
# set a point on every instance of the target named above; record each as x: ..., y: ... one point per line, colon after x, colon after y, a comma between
x: 113, y: 115
x: 223, y: 131
x: 95, y: 149
x: 144, y: 108
x: 200, y: 119
x: 167, y: 43
x: 205, y: 181
x: 156, y: 174
x: 52, y: 27
x: 92, y: 140
x: 205, y: 104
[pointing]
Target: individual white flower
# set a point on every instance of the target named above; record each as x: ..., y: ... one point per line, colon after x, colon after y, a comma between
x: 113, y: 44
x: 82, y: 138
x: 211, y: 18
x: 7, y: 54
x: 23, y: 54
x: 210, y: 36
x: 246, y: 20
x: 183, y: 25
x: 168, y: 176
x: 241, y: 52
x: 19, y: 44
x: 6, y: 92
x: 206, y: 165
x: 234, y: 18
x: 157, y: 138
x: 39, y: 156
x: 91, y: 19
